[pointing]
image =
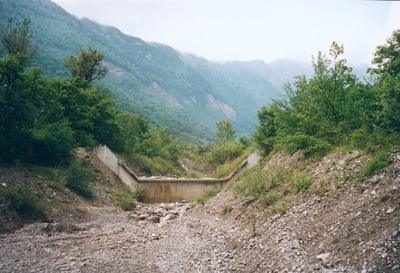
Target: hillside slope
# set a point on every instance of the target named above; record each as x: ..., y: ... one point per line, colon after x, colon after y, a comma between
x: 185, y: 93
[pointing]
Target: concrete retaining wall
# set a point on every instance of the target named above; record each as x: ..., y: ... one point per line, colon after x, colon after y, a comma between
x: 163, y: 189
x: 116, y: 166
x: 164, y: 192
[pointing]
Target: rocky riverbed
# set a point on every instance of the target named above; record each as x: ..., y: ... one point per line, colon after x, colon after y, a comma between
x: 347, y: 230
x: 181, y: 238
x: 153, y: 238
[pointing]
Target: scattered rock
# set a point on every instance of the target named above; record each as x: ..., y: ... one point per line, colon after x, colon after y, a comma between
x: 323, y: 256
x: 142, y: 217
x: 154, y: 219
x: 389, y: 210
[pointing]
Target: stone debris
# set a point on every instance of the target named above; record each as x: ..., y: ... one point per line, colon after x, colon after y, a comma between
x: 159, y: 213
x: 323, y: 257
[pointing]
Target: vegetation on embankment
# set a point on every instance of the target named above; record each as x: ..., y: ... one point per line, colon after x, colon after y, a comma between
x: 333, y: 108
x: 272, y: 189
x: 44, y: 193
x: 42, y: 189
x: 329, y: 111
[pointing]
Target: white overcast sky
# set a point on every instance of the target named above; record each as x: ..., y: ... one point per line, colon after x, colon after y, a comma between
x: 223, y: 30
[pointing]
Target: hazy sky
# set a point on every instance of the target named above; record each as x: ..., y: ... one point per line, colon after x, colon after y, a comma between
x: 223, y: 30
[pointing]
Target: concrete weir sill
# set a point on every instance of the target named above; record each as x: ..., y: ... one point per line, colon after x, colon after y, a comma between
x: 165, y: 189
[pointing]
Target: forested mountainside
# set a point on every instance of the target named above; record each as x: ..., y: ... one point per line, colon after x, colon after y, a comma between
x: 182, y: 92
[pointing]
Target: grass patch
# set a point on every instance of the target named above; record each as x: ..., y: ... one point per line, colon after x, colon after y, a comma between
x: 255, y: 182
x: 205, y: 196
x: 268, y: 199
x: 26, y: 203
x: 193, y: 174
x: 373, y: 166
x: 78, y: 178
x: 301, y: 182
x: 126, y: 200
x: 280, y: 208
x: 322, y: 188
x: 335, y: 240
x: 220, y: 153
x: 272, y: 190
x: 156, y: 165
x: 228, y: 167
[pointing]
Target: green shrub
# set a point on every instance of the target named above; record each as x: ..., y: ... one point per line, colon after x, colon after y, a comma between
x: 207, y: 195
x: 228, y: 167
x: 255, y: 181
x: 221, y: 153
x: 280, y: 208
x: 272, y: 189
x: 301, y: 183
x: 54, y: 142
x: 126, y: 200
x: 374, y: 141
x: 139, y: 194
x: 156, y: 165
x: 251, y: 182
x: 268, y: 199
x: 78, y: 179
x: 193, y: 174
x: 375, y: 165
x: 26, y: 204
x: 311, y: 146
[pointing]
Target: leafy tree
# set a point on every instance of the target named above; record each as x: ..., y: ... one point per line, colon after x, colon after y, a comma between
x: 331, y: 80
x: 387, y: 57
x: 16, y: 38
x: 41, y: 119
x: 318, y: 111
x: 134, y: 129
x: 19, y: 92
x: 88, y: 65
x: 221, y: 153
x: 225, y: 131
x: 389, y: 90
x: 267, y: 128
x: 387, y: 70
x: 333, y: 108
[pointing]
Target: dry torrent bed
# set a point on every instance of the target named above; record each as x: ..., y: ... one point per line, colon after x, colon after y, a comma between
x: 178, y: 238
x: 158, y: 238
x: 348, y: 231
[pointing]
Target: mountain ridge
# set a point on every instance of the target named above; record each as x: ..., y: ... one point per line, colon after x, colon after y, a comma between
x: 185, y: 93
